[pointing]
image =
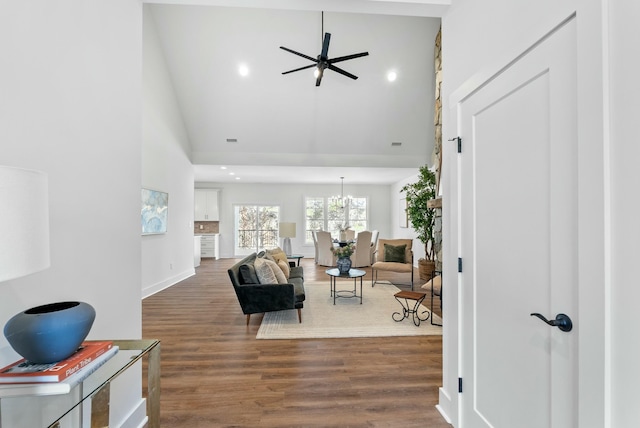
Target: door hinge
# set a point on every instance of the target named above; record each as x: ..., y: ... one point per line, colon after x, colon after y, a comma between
x: 459, y: 264
x: 459, y: 140
x: 460, y: 385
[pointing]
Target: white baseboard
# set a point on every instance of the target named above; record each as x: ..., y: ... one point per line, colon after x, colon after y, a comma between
x: 155, y: 288
x: 445, y: 405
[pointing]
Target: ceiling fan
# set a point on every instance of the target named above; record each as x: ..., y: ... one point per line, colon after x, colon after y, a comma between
x: 322, y: 62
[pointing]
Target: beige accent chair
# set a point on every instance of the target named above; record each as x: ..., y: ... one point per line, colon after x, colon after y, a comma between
x: 362, y: 255
x: 350, y: 234
x: 374, y: 245
x: 381, y: 265
x: 323, y: 253
x: 315, y: 244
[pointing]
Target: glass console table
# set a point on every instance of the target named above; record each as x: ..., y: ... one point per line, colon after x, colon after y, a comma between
x: 61, y: 409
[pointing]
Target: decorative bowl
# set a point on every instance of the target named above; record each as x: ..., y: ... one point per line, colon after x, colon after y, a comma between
x: 50, y: 333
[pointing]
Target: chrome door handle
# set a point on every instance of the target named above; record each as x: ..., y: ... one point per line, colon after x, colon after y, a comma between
x: 562, y: 321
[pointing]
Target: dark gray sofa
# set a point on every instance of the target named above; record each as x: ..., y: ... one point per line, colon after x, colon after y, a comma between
x: 259, y: 298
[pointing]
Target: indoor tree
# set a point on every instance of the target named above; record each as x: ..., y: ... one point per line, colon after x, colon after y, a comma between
x: 421, y: 217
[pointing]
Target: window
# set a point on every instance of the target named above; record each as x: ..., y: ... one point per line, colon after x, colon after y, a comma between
x: 255, y: 228
x: 331, y: 213
x: 315, y: 218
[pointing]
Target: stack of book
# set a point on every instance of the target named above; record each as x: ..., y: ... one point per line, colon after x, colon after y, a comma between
x: 59, y: 377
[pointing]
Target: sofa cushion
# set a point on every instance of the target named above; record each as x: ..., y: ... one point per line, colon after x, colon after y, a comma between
x: 296, y: 272
x: 264, y: 272
x: 394, y: 253
x: 248, y: 274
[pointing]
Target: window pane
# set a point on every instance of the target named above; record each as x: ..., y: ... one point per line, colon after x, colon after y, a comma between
x: 353, y: 213
x: 314, y: 209
x: 256, y: 228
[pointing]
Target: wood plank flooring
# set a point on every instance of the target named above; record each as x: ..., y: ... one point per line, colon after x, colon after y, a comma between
x: 216, y: 374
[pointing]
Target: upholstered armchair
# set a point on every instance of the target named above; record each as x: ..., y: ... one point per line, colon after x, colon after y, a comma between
x: 315, y: 244
x: 325, y: 244
x: 374, y: 245
x: 362, y: 255
x: 393, y: 255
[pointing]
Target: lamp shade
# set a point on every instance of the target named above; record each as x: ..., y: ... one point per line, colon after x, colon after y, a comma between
x: 24, y: 222
x: 287, y: 230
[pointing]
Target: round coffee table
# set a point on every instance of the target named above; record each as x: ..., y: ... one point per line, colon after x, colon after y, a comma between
x: 334, y: 274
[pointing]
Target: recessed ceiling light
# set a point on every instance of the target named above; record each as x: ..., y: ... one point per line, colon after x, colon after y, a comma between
x: 392, y: 76
x: 243, y: 70
x: 232, y: 173
x: 223, y: 167
x: 237, y: 178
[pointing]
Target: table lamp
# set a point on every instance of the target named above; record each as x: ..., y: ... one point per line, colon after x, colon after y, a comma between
x: 287, y: 231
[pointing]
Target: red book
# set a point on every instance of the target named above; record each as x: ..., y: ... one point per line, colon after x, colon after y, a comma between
x: 23, y: 371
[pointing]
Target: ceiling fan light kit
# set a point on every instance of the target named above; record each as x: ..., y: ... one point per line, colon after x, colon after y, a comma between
x: 323, y: 62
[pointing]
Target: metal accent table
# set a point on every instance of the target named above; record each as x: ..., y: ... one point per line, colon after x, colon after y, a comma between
x: 334, y: 273
x: 295, y: 257
x: 418, y: 297
x: 95, y: 388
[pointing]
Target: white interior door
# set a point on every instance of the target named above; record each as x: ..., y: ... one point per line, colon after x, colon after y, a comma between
x: 518, y: 189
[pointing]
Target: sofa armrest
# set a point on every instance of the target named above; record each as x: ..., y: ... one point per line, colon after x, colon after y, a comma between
x: 256, y: 298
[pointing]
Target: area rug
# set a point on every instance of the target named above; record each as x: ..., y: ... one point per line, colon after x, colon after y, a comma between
x: 347, y: 318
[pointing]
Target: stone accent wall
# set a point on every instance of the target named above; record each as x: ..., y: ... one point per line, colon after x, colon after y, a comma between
x: 437, y: 150
x: 436, y: 157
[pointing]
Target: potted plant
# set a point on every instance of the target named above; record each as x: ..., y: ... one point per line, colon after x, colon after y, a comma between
x: 422, y: 218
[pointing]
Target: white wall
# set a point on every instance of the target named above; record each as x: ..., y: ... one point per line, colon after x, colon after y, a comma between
x: 404, y: 232
x: 290, y: 198
x: 166, y: 166
x: 70, y: 106
x: 625, y: 228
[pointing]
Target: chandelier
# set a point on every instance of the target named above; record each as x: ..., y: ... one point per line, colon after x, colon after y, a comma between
x: 343, y: 200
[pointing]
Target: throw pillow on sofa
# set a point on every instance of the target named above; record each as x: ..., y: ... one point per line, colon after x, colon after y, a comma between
x: 248, y: 274
x: 393, y: 253
x: 280, y: 278
x: 278, y: 255
x: 264, y: 272
x: 285, y: 268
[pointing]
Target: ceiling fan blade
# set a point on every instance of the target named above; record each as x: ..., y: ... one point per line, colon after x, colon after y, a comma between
x: 298, y: 69
x: 344, y: 58
x: 299, y: 54
x: 325, y: 46
x: 341, y: 71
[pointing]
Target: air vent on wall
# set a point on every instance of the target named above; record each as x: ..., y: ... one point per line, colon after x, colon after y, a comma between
x: 396, y: 144
x: 232, y: 140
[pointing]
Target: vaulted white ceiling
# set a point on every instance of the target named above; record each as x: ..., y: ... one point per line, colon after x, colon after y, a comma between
x: 285, y: 123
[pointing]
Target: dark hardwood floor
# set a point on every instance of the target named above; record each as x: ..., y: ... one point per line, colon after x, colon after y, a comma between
x: 216, y: 374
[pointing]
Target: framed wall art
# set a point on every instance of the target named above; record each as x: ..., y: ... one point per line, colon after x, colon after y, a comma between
x: 154, y: 212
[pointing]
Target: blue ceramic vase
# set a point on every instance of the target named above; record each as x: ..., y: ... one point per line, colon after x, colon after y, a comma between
x: 50, y: 333
x: 343, y: 264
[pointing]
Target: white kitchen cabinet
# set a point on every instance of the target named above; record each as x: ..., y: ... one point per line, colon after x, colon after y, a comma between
x: 206, y: 205
x: 209, y: 246
x: 197, y: 250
